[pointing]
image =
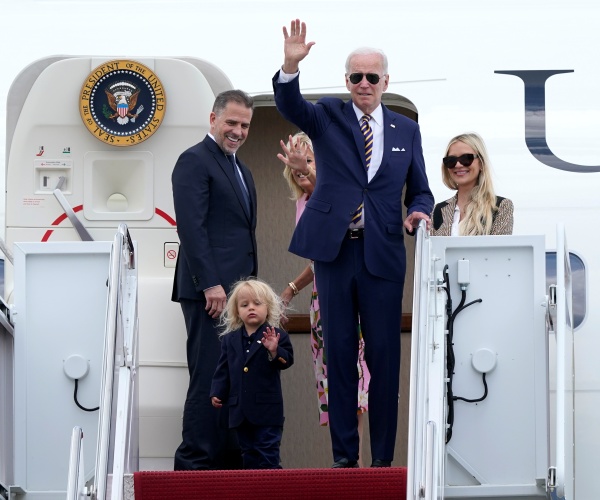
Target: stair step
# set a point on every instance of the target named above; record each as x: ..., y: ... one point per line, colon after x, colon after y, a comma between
x: 273, y: 484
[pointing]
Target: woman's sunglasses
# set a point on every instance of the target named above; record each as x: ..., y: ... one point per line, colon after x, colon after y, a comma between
x: 465, y: 160
x: 372, y: 78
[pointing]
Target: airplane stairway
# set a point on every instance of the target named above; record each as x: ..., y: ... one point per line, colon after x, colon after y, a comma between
x: 115, y: 475
x: 490, y: 269
x: 491, y: 373
x: 103, y: 465
x: 69, y: 368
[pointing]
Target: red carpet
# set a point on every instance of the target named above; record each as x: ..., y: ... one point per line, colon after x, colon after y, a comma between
x: 288, y: 484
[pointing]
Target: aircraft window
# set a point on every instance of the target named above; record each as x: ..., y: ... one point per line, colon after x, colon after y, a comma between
x: 577, y: 284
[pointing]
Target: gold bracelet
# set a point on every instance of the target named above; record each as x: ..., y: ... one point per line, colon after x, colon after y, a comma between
x: 294, y: 288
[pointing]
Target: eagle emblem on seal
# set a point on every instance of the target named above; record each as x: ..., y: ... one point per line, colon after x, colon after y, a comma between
x: 122, y: 99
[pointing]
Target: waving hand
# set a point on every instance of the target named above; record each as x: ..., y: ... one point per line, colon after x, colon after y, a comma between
x: 295, y: 47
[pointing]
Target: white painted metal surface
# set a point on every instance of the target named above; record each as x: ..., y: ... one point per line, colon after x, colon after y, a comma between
x: 565, y: 372
x: 497, y: 445
x: 427, y: 396
x: 60, y: 309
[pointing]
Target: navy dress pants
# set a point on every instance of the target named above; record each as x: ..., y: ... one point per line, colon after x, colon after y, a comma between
x: 207, y: 443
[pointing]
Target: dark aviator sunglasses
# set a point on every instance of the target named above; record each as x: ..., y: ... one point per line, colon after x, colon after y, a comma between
x: 372, y: 78
x: 465, y: 160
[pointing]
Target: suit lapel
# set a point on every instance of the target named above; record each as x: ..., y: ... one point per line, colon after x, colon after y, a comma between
x: 230, y: 173
x: 251, y: 189
x: 389, y: 133
x: 237, y: 344
x: 256, y: 345
x: 448, y: 215
x: 390, y: 130
x: 235, y: 185
x: 359, y: 138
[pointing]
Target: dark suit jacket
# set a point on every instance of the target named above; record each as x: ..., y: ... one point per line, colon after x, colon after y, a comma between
x: 252, y: 386
x: 218, y: 245
x: 342, y: 181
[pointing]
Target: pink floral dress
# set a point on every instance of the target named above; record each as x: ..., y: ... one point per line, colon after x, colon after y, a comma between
x: 319, y: 359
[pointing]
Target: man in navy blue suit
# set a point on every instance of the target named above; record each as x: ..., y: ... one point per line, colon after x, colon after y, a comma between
x: 215, y: 207
x: 352, y: 228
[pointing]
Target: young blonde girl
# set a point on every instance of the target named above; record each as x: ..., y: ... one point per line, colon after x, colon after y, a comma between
x: 254, y: 350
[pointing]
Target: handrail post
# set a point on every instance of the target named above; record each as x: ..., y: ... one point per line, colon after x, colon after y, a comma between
x: 119, y: 347
x: 76, y: 471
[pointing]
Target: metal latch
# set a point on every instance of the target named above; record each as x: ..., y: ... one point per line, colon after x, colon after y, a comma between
x: 552, y: 295
x: 551, y: 482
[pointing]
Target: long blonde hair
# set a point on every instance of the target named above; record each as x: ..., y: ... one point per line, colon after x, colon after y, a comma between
x: 230, y: 320
x: 288, y: 173
x: 480, y: 210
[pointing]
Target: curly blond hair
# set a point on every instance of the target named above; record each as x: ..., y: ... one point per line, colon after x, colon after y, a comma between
x: 230, y: 320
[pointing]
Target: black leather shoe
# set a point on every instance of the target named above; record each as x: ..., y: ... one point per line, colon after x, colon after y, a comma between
x: 381, y: 463
x: 344, y: 463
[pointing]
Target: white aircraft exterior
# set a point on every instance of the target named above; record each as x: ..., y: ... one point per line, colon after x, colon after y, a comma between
x: 522, y: 74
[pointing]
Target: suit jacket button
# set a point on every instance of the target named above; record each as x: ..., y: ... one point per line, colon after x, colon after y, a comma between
x: 245, y: 369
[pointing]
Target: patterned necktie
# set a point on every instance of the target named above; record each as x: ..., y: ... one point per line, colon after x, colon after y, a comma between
x: 367, y: 131
x: 238, y: 176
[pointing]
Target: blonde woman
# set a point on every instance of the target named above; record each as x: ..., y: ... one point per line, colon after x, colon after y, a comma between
x: 300, y: 173
x: 474, y: 209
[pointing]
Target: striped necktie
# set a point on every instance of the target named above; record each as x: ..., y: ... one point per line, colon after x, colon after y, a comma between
x: 367, y: 131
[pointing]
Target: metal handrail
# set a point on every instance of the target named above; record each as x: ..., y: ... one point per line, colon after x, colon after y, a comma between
x: 565, y: 366
x: 124, y: 434
x: 123, y: 258
x: 7, y: 406
x: 7, y: 253
x: 425, y: 479
x: 77, y: 225
x: 416, y: 479
x: 5, y: 318
x: 75, y: 479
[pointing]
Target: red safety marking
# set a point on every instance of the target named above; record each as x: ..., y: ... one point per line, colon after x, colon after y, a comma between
x: 78, y: 208
x: 166, y: 216
x: 58, y: 220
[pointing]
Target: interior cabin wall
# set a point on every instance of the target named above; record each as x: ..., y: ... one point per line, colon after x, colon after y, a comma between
x: 305, y: 443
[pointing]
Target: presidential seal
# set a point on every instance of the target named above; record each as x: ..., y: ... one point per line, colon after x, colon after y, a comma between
x: 122, y: 103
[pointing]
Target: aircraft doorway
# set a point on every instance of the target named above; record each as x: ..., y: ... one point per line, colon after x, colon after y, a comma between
x: 305, y: 443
